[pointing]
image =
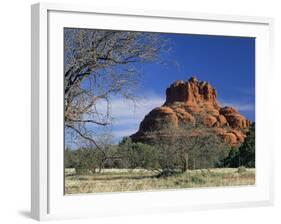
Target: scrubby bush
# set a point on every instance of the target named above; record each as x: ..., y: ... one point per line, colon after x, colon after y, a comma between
x: 138, y: 155
x: 69, y: 158
x: 241, y: 169
x: 87, y: 160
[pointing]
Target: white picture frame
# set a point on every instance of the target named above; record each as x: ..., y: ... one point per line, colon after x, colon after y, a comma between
x: 47, y: 198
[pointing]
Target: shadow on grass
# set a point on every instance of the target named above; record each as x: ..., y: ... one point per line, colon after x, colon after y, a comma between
x: 107, y: 177
x: 93, y: 177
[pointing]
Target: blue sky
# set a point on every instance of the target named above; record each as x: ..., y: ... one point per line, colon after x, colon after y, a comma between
x: 227, y: 63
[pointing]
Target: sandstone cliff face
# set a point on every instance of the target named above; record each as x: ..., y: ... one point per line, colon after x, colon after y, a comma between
x: 191, y: 103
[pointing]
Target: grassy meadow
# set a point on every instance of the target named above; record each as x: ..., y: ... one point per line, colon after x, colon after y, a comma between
x: 121, y: 180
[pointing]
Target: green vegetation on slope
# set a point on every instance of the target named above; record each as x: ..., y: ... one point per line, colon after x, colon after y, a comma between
x: 244, y: 155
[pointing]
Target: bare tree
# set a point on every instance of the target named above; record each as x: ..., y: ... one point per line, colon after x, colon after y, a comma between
x: 100, y: 64
x: 197, y: 145
x: 106, y: 154
x: 181, y: 148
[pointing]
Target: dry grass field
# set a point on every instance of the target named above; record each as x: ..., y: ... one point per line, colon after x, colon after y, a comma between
x: 121, y: 180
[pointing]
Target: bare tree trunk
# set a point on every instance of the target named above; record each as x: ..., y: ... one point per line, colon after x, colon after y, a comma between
x: 185, y: 162
x: 101, y: 164
x: 93, y: 170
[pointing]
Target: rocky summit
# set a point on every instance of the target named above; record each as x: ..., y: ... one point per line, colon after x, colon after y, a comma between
x: 192, y: 102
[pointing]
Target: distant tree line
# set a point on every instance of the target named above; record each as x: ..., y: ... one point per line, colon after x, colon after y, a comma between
x: 176, y: 151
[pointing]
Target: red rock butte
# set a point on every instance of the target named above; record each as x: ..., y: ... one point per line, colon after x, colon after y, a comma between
x: 192, y: 102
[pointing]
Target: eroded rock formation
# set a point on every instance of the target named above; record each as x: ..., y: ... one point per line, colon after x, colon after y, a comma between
x: 191, y: 102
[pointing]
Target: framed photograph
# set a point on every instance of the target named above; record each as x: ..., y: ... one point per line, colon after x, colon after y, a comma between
x: 148, y: 111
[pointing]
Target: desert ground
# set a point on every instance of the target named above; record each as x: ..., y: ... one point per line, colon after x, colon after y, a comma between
x: 121, y: 180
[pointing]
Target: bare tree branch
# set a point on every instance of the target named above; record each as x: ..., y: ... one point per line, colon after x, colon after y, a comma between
x: 99, y: 65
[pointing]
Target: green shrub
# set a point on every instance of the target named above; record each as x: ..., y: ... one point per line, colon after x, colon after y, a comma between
x: 197, y: 180
x: 242, y: 169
